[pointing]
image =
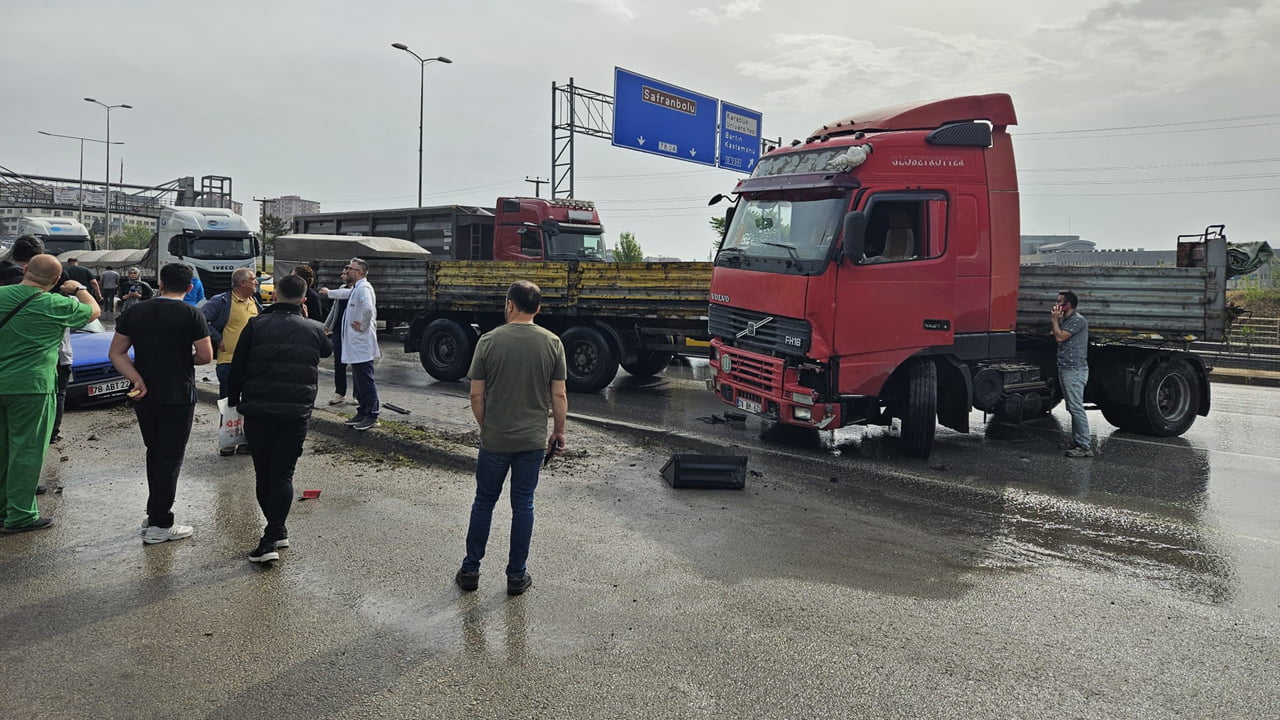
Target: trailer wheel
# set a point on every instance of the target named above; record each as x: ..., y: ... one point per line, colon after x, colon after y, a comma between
x: 591, y: 362
x: 649, y: 364
x: 1170, y: 399
x: 446, y: 349
x: 1124, y: 417
x: 920, y: 419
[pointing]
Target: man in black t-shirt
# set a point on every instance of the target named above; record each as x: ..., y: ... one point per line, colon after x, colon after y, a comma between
x: 169, y: 338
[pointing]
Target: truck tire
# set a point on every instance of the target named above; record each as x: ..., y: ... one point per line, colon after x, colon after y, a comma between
x: 649, y: 363
x: 1124, y: 417
x: 1170, y: 399
x: 446, y: 349
x: 920, y: 418
x: 592, y: 364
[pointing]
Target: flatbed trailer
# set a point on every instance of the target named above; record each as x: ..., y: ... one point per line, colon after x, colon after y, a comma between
x: 636, y: 316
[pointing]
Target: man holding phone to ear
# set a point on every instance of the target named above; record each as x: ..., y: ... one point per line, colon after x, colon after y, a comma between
x: 1072, y: 333
x: 517, y: 376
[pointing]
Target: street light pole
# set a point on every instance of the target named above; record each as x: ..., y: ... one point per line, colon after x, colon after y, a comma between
x: 422, y: 100
x: 82, y: 142
x: 109, y: 108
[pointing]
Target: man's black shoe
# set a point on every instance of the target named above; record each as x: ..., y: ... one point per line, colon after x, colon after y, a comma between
x: 468, y: 580
x: 265, y: 552
x: 41, y: 489
x: 354, y: 421
x: 39, y: 524
x: 517, y: 585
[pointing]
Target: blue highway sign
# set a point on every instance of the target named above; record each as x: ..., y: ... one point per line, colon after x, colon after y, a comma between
x: 739, y: 138
x: 663, y: 119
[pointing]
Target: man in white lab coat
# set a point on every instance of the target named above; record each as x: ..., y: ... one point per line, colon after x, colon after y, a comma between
x: 360, y: 341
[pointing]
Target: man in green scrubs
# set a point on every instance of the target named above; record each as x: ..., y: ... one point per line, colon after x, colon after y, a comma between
x: 29, y: 342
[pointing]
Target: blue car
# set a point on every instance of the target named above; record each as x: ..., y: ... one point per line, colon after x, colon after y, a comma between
x: 94, y: 381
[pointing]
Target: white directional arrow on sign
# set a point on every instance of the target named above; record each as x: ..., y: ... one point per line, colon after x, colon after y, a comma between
x: 693, y: 152
x: 750, y: 163
x: 640, y: 139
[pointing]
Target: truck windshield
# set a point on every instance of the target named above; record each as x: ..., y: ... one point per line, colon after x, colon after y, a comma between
x: 578, y: 245
x: 64, y: 243
x: 204, y: 247
x: 787, y: 226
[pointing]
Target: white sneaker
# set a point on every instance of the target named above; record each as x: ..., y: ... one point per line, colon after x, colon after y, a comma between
x: 352, y: 400
x: 155, y: 534
x: 337, y: 399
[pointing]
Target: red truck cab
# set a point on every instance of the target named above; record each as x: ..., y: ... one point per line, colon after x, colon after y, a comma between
x: 515, y: 228
x: 540, y: 229
x: 885, y: 236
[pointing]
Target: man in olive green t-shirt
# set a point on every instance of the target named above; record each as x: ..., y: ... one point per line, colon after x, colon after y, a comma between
x: 28, y: 381
x: 517, y: 376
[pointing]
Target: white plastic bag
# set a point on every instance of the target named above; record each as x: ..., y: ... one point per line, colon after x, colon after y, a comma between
x: 230, y: 428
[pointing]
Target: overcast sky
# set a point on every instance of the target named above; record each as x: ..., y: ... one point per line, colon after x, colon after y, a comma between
x: 308, y: 98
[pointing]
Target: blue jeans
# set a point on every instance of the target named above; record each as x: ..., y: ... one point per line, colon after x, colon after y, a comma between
x: 366, y: 390
x: 1073, y: 381
x: 223, y: 371
x: 491, y: 470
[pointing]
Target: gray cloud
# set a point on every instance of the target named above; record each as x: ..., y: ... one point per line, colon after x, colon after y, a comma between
x: 1171, y: 10
x: 620, y: 9
x: 733, y: 10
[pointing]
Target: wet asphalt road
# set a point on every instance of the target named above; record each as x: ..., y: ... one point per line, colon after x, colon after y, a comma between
x: 997, y: 579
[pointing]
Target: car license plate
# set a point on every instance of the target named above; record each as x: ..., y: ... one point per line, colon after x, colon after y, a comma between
x: 106, y: 388
x: 750, y: 406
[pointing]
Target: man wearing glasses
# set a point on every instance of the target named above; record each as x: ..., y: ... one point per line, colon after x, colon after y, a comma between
x: 359, y: 341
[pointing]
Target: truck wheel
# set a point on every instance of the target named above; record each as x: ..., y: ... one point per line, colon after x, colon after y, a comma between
x: 920, y: 421
x: 1124, y: 417
x: 446, y: 349
x: 592, y: 364
x: 1170, y: 399
x: 649, y: 364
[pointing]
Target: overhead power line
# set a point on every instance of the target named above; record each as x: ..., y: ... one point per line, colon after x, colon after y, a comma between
x: 1154, y: 125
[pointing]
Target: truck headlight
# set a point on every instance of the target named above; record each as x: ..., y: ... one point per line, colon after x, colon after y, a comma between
x: 802, y: 413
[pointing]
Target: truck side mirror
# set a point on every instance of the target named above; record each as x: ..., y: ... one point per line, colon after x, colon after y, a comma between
x: 256, y: 246
x: 728, y: 219
x: 855, y: 236
x: 550, y: 227
x: 178, y: 246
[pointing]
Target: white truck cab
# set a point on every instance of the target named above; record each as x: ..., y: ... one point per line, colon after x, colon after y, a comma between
x: 59, y: 234
x: 214, y: 241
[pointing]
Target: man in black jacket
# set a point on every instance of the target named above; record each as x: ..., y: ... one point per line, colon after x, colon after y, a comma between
x: 273, y: 382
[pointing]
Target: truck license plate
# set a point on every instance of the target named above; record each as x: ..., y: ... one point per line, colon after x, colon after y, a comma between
x: 106, y: 388
x: 750, y: 406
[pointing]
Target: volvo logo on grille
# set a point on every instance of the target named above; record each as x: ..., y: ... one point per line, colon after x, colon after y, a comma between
x: 752, y: 327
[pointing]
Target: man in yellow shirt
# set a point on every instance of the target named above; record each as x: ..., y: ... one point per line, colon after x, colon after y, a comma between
x: 228, y: 314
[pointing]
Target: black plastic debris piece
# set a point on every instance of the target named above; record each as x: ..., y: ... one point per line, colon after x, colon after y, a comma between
x: 720, y: 472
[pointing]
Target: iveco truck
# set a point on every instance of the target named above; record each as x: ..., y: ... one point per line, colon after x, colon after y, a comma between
x: 214, y: 241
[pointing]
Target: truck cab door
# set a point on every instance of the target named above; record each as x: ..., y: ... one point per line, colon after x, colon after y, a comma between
x: 895, y: 287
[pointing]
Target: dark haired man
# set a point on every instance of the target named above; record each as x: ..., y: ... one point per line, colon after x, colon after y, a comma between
x: 22, y: 250
x: 273, y: 382
x: 517, y: 375
x: 1071, y: 331
x: 169, y: 338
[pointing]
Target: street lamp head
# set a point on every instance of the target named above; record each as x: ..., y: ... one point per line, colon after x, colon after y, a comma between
x: 444, y: 59
x: 90, y: 100
x: 400, y: 46
x: 126, y: 106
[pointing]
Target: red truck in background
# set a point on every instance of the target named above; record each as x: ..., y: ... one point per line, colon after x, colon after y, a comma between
x: 516, y: 228
x: 872, y: 272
